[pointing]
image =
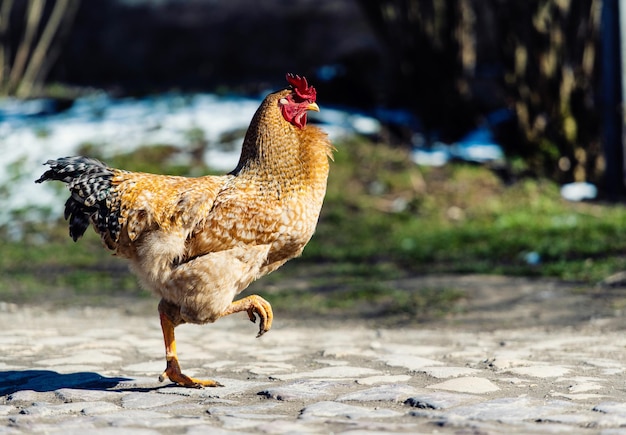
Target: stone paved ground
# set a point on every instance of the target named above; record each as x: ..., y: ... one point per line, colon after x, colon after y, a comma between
x: 94, y: 371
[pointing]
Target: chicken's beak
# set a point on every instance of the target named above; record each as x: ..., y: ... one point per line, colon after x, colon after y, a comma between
x: 313, y: 106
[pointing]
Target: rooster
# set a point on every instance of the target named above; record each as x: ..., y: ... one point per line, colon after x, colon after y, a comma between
x: 198, y: 242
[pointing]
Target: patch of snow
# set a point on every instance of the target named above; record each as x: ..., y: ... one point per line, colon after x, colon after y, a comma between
x: 437, y: 155
x: 478, y: 146
x: 579, y: 191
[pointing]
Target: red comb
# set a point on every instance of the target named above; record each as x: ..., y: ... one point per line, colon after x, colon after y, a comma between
x: 301, y: 87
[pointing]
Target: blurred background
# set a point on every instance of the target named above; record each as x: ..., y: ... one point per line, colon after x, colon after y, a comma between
x: 479, y: 136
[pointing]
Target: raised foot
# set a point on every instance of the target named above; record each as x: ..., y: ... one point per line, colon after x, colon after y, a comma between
x: 254, y: 304
x: 173, y: 373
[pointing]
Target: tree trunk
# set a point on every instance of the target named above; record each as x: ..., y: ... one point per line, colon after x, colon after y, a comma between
x: 33, y: 20
x: 33, y: 76
x: 5, y: 49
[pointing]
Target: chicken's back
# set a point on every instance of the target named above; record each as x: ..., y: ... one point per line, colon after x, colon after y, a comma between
x: 150, y: 202
x: 123, y: 205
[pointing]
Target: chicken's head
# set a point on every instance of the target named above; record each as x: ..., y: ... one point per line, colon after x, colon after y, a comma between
x: 301, y: 98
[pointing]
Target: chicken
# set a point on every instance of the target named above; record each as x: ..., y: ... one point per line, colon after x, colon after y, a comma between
x: 198, y: 242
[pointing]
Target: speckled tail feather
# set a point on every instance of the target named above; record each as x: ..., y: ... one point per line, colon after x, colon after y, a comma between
x: 89, y: 181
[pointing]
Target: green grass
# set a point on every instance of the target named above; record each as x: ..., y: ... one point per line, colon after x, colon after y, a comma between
x: 383, y: 218
x: 461, y: 219
x: 45, y: 265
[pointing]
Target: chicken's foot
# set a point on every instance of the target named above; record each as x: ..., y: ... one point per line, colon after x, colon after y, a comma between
x: 253, y: 304
x: 172, y: 370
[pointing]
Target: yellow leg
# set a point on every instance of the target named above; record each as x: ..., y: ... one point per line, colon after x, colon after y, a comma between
x: 253, y: 304
x: 172, y: 370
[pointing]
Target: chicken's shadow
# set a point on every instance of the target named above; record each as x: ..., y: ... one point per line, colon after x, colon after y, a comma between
x: 12, y: 381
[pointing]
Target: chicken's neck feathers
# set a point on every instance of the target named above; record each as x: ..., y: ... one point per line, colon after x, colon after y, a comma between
x: 276, y: 152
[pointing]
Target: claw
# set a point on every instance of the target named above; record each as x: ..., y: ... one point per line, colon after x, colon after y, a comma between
x: 263, y: 315
x: 251, y: 315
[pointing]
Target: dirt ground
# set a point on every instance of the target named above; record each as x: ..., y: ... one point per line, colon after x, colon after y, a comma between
x: 501, y: 302
x: 493, y: 302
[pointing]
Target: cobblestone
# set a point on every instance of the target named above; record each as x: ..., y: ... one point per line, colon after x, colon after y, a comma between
x: 94, y: 372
